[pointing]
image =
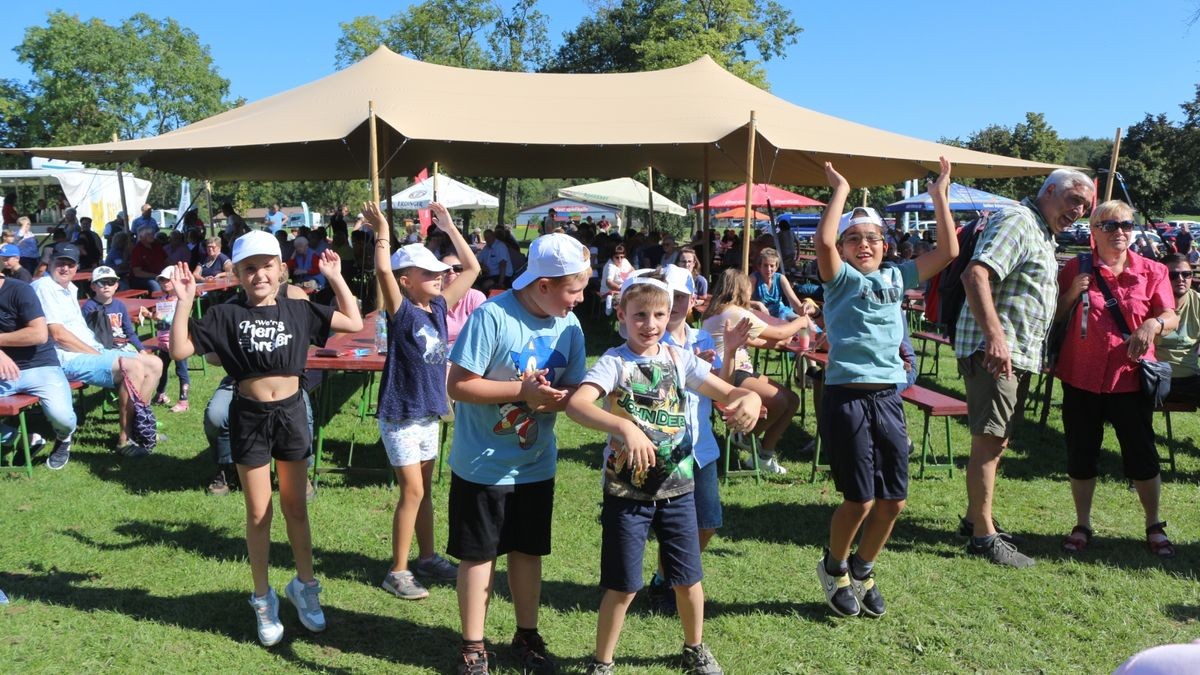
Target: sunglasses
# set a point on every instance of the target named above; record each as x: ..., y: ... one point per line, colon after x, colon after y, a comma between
x: 106, y: 282
x: 1180, y: 275
x: 1113, y: 225
x: 456, y: 269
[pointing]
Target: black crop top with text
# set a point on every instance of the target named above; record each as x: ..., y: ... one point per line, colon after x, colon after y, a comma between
x: 263, y: 340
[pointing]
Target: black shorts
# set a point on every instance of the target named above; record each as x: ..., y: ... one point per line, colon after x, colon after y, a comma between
x: 488, y: 521
x: 1132, y: 418
x: 740, y: 376
x: 260, y: 430
x: 866, y: 436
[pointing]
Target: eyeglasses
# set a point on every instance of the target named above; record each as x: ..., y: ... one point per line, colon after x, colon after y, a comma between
x: 455, y: 269
x: 106, y: 282
x: 1180, y: 275
x: 856, y: 239
x: 66, y: 262
x: 1113, y: 225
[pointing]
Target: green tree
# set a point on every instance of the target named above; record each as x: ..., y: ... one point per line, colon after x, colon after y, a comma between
x: 636, y: 35
x: 1146, y: 164
x: 1085, y: 151
x: 1034, y: 139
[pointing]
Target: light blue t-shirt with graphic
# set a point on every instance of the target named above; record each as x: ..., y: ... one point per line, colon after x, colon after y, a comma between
x: 508, y: 444
x: 865, y: 323
x: 704, y: 444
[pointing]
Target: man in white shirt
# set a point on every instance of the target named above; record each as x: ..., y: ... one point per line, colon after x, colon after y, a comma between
x: 81, y: 356
x: 275, y: 219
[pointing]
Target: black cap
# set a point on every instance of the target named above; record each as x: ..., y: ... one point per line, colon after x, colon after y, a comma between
x: 66, y: 250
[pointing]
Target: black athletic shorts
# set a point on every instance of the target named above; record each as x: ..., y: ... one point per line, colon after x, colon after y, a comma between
x: 866, y: 436
x: 488, y: 521
x: 260, y: 430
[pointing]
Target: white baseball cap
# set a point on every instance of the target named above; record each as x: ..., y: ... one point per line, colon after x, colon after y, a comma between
x: 552, y: 256
x: 167, y: 273
x: 848, y: 220
x: 416, y: 255
x: 679, y: 280
x: 104, y: 272
x: 255, y: 242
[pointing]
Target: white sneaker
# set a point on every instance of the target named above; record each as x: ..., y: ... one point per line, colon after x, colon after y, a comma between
x: 305, y: 598
x: 771, y: 465
x: 266, y: 612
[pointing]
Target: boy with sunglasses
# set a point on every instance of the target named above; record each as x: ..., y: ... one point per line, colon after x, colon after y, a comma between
x: 104, y: 290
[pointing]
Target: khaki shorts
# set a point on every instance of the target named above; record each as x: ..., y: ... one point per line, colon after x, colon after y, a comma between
x: 992, y: 404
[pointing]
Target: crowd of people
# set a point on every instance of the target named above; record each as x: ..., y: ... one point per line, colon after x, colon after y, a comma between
x: 503, y: 368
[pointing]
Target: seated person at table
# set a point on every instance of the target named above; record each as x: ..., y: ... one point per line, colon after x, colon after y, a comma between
x: 81, y: 356
x: 303, y: 264
x: 1178, y: 347
x: 146, y: 260
x: 28, y: 365
x: 214, y: 262
x: 91, y: 249
x: 10, y: 261
x: 773, y: 289
x: 58, y: 236
x: 116, y: 314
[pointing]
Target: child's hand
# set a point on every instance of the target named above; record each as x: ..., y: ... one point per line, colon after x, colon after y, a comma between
x: 939, y: 190
x: 185, y: 283
x: 330, y: 264
x: 375, y: 218
x: 537, y: 392
x: 836, y: 180
x: 444, y: 222
x: 736, y: 336
x: 642, y: 453
x: 741, y: 413
x: 709, y: 355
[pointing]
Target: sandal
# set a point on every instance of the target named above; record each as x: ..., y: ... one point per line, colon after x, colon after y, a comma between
x: 1160, y: 546
x: 1078, y: 541
x: 162, y: 399
x: 180, y: 407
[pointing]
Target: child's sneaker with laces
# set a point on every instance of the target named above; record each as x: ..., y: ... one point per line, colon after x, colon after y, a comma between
x: 529, y: 650
x: 436, y: 567
x: 870, y: 600
x: 475, y: 663
x: 595, y: 667
x: 699, y: 660
x: 266, y: 613
x: 404, y: 585
x: 838, y: 593
x: 306, y: 599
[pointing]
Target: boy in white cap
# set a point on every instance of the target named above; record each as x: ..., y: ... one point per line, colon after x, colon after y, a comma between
x: 104, y: 289
x: 262, y: 339
x: 862, y: 421
x: 649, y: 465
x: 514, y: 364
x: 164, y: 315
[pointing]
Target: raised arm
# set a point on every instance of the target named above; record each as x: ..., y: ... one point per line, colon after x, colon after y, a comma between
x: 936, y: 260
x: 466, y: 255
x: 181, y: 346
x: 391, y: 296
x: 347, y: 319
x: 829, y: 261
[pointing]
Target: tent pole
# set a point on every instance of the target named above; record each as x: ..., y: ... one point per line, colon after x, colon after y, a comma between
x: 866, y: 193
x: 435, y: 180
x: 503, y: 201
x: 374, y: 169
x: 1112, y: 166
x: 704, y: 224
x: 748, y: 216
x: 212, y: 230
x: 124, y: 206
x: 650, y: 207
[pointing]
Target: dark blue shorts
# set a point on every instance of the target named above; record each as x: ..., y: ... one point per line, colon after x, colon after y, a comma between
x: 626, y: 523
x: 708, y: 497
x: 866, y: 436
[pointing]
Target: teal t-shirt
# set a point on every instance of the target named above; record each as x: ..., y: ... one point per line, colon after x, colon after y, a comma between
x: 508, y: 443
x: 865, y: 323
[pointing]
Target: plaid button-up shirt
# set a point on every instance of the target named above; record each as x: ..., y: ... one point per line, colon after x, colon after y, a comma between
x: 1018, y: 247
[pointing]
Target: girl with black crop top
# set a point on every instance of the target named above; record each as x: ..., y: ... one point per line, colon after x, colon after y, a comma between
x: 262, y: 340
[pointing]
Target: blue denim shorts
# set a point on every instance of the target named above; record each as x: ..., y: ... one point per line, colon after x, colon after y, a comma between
x: 93, y: 369
x: 708, y: 499
x: 626, y: 522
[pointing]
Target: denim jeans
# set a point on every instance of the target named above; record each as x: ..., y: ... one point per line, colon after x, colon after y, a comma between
x: 216, y: 420
x: 50, y: 385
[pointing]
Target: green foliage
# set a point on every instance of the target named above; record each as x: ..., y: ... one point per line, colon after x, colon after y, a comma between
x: 636, y: 35
x: 1146, y: 163
x: 466, y: 33
x: 1034, y: 139
x: 1085, y: 152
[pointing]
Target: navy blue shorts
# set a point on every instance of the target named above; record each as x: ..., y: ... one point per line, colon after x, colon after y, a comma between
x: 626, y: 524
x: 866, y: 436
x: 708, y: 498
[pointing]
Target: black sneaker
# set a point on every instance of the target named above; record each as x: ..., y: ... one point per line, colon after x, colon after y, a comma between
x: 475, y: 663
x: 699, y: 660
x: 662, y: 596
x: 967, y: 529
x: 133, y: 450
x: 1000, y: 552
x: 219, y: 485
x: 838, y: 593
x: 530, y: 652
x: 869, y: 597
x: 60, y: 456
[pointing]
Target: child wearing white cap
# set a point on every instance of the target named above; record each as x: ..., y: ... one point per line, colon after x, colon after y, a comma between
x: 164, y: 315
x: 862, y: 422
x: 412, y: 389
x: 262, y: 340
x: 514, y: 364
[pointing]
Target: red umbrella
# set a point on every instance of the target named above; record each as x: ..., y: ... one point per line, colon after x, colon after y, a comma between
x: 779, y: 198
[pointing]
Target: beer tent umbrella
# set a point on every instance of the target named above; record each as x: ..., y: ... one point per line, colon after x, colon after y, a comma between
x: 740, y: 213
x: 962, y: 198
x: 761, y: 195
x: 621, y: 192
x: 450, y: 193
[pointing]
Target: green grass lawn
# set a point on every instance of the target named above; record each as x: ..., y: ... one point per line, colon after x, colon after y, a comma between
x: 123, y: 565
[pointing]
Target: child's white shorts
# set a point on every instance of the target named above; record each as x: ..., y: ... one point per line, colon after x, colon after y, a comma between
x: 410, y: 441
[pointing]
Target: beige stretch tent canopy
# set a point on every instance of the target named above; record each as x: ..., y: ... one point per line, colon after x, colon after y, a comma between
x: 487, y: 123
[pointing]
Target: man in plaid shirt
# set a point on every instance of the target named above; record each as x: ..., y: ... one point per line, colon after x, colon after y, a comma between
x: 1012, y: 289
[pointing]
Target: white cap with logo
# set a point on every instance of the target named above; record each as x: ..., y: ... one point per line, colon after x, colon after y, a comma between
x: 869, y: 216
x: 255, y: 242
x: 551, y: 256
x: 416, y: 255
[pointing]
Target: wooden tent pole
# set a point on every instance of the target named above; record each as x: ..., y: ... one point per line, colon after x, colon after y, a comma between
x: 650, y: 205
x: 748, y: 216
x: 374, y: 169
x: 435, y: 181
x: 705, y: 227
x: 1112, y: 166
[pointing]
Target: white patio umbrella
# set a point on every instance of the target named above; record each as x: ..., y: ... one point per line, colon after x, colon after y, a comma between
x: 621, y: 192
x: 451, y: 193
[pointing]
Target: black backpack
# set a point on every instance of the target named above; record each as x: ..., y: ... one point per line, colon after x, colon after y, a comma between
x: 951, y: 294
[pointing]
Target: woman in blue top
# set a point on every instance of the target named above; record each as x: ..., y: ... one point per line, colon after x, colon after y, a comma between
x: 412, y: 391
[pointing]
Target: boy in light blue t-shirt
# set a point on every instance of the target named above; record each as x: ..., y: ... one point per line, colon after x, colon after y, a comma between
x: 862, y: 417
x: 517, y: 359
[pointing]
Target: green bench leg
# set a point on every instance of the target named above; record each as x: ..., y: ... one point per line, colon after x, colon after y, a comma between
x: 925, y: 450
x: 729, y: 446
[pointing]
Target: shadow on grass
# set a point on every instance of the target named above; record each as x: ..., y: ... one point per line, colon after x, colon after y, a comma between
x: 227, y: 614
x: 216, y: 544
x: 1184, y: 613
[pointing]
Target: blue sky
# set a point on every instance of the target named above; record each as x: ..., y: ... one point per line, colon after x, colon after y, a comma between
x: 933, y: 69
